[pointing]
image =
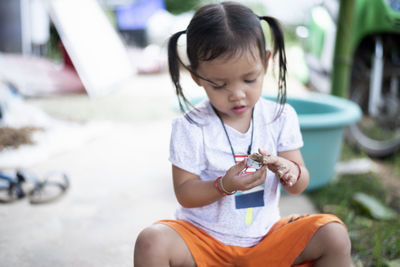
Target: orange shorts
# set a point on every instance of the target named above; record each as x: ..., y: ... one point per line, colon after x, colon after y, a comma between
x: 280, y: 247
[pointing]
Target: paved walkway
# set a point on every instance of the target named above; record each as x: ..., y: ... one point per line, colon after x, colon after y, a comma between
x: 120, y: 181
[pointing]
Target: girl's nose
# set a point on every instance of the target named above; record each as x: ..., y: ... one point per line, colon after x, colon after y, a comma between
x: 237, y: 94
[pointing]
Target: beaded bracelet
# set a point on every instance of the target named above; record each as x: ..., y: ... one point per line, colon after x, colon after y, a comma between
x: 223, y: 189
x: 298, y: 176
x: 220, y: 188
x: 216, y: 184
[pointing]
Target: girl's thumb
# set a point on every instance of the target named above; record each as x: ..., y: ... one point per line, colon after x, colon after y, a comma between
x: 241, y: 165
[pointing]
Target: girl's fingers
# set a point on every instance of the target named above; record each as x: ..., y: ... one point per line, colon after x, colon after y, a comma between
x: 242, y: 165
x: 281, y: 171
x: 254, y: 183
x: 238, y: 168
x: 271, y: 160
x: 266, y: 156
x: 257, y: 182
x: 253, y: 179
x: 262, y: 152
x: 288, y: 179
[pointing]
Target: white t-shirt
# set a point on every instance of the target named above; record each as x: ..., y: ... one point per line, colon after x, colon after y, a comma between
x: 203, y: 149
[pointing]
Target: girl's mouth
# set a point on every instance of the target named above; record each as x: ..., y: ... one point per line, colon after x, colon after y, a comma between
x: 239, y: 109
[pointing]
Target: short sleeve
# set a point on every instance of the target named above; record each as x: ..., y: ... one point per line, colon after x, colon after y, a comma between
x: 290, y: 136
x: 186, y: 146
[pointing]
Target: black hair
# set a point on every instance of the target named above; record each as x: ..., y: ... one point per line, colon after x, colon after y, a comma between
x: 226, y: 28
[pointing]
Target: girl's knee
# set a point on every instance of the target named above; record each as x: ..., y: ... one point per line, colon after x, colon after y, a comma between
x: 150, y: 240
x: 336, y: 237
x: 159, y: 245
x: 150, y: 247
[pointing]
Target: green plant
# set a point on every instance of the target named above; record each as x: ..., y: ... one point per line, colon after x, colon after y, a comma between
x: 53, y: 45
x: 374, y: 242
x: 349, y: 152
x: 181, y: 6
x: 395, y: 162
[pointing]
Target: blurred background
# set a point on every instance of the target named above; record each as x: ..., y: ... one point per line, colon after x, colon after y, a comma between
x: 85, y: 91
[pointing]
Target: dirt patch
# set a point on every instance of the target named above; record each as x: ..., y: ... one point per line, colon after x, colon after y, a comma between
x: 14, y: 137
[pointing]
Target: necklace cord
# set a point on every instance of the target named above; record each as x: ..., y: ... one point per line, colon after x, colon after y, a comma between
x: 227, y: 135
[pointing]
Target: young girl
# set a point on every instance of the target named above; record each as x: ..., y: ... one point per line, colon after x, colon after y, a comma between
x: 228, y: 214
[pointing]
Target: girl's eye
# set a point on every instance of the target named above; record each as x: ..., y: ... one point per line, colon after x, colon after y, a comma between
x: 216, y: 87
x: 250, y: 81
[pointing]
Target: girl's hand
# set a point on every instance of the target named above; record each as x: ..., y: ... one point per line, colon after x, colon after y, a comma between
x: 234, y: 179
x: 286, y: 170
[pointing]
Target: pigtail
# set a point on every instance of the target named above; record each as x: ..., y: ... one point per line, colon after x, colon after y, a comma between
x: 174, y: 63
x: 279, y: 47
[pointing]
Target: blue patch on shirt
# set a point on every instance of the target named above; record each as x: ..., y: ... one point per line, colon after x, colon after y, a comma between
x: 249, y: 200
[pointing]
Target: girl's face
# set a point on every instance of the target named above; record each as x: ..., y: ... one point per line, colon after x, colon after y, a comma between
x: 235, y: 83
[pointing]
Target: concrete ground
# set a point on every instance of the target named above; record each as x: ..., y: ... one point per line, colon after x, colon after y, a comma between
x: 120, y: 181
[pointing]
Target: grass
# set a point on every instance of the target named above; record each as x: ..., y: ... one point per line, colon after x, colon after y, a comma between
x: 374, y: 242
x: 395, y: 162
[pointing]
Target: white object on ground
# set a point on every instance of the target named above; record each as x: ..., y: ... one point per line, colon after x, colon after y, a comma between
x: 97, y: 52
x: 355, y: 166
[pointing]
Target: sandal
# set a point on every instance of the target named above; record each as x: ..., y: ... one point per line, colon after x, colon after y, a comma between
x: 13, y: 187
x: 53, y: 187
x: 22, y: 184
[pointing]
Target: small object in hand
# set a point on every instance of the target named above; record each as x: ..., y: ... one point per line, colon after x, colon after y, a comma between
x: 255, y: 161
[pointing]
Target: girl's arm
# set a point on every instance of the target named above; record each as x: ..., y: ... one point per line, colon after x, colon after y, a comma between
x: 284, y: 165
x: 192, y: 192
